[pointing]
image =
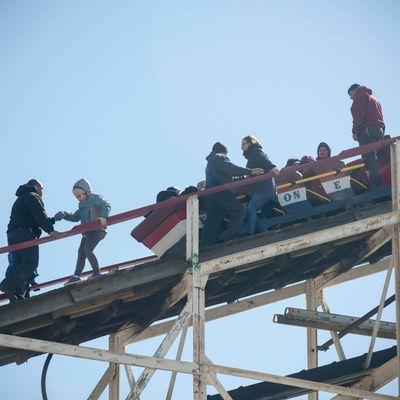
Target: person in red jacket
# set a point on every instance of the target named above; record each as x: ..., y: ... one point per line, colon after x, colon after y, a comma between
x: 368, y: 126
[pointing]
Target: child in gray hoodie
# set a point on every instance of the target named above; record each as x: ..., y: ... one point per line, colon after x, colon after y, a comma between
x: 92, y: 206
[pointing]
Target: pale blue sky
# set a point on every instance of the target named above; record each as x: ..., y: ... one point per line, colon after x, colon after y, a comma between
x: 132, y: 95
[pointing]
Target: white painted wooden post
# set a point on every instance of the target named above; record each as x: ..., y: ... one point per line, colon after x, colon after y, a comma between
x: 312, y: 350
x: 378, y: 319
x: 334, y: 334
x: 179, y: 324
x: 178, y: 358
x: 113, y: 387
x: 192, y: 253
x: 395, y: 168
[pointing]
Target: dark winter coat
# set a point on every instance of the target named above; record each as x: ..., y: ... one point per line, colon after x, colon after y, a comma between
x: 165, y: 195
x: 221, y: 170
x: 28, y: 212
x: 256, y: 158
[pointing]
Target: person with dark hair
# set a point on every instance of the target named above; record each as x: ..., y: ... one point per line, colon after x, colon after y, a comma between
x: 261, y: 192
x: 28, y: 218
x: 323, y: 151
x: 307, y: 159
x: 168, y: 193
x: 368, y: 126
x: 291, y: 162
x: 221, y: 170
x: 92, y: 206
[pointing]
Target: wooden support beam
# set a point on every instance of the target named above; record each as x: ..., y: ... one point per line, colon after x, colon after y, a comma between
x: 266, y: 298
x: 179, y: 366
x: 395, y: 170
x: 378, y: 378
x: 213, y: 380
x: 216, y: 285
x: 176, y: 294
x: 114, y: 345
x: 333, y: 322
x: 44, y: 346
x: 198, y: 297
x: 311, y: 385
x: 378, y: 319
x: 178, y: 358
x: 334, y: 335
x: 130, y: 377
x: 354, y: 273
x: 88, y: 291
x: 312, y: 340
x: 299, y: 243
x: 162, y: 350
x: 360, y: 253
x: 255, y: 279
x: 103, y: 383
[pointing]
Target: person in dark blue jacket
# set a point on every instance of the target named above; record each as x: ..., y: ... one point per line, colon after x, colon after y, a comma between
x: 27, y: 220
x: 262, y: 192
x: 221, y: 170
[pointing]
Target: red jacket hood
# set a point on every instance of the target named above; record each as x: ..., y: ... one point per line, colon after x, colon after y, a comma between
x: 363, y: 89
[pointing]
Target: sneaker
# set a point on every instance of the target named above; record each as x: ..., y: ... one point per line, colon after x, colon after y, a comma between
x: 73, y: 279
x: 94, y: 275
x: 9, y: 293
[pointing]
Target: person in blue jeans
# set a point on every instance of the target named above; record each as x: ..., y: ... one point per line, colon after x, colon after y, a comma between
x: 264, y: 191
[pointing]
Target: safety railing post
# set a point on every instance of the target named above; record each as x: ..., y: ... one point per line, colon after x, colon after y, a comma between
x: 192, y: 254
x: 395, y: 169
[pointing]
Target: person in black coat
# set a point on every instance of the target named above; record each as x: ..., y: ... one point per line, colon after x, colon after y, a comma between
x: 221, y: 170
x: 170, y: 193
x: 262, y: 192
x: 28, y: 218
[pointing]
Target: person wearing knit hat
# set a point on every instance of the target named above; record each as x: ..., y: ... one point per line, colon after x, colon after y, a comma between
x: 27, y: 220
x: 323, y: 151
x: 92, y: 206
x: 221, y: 170
x: 169, y: 193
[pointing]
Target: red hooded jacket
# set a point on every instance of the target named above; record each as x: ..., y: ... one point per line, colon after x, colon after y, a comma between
x: 366, y: 110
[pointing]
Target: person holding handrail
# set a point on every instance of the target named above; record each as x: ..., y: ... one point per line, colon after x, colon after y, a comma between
x: 92, y: 206
x: 221, y: 170
x: 262, y: 192
x: 27, y: 220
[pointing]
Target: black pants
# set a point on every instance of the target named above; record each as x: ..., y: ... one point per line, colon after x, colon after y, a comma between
x: 88, y: 243
x: 25, y: 262
x: 217, y: 206
x: 367, y: 135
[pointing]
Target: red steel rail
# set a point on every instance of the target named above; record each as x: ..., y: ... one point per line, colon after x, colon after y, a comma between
x: 142, y: 211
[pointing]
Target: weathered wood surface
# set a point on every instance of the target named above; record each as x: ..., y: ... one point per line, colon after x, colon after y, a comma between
x: 77, y: 313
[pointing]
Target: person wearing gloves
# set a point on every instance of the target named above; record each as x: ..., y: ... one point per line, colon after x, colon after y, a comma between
x: 92, y: 206
x: 221, y: 170
x: 27, y: 220
x: 263, y: 191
